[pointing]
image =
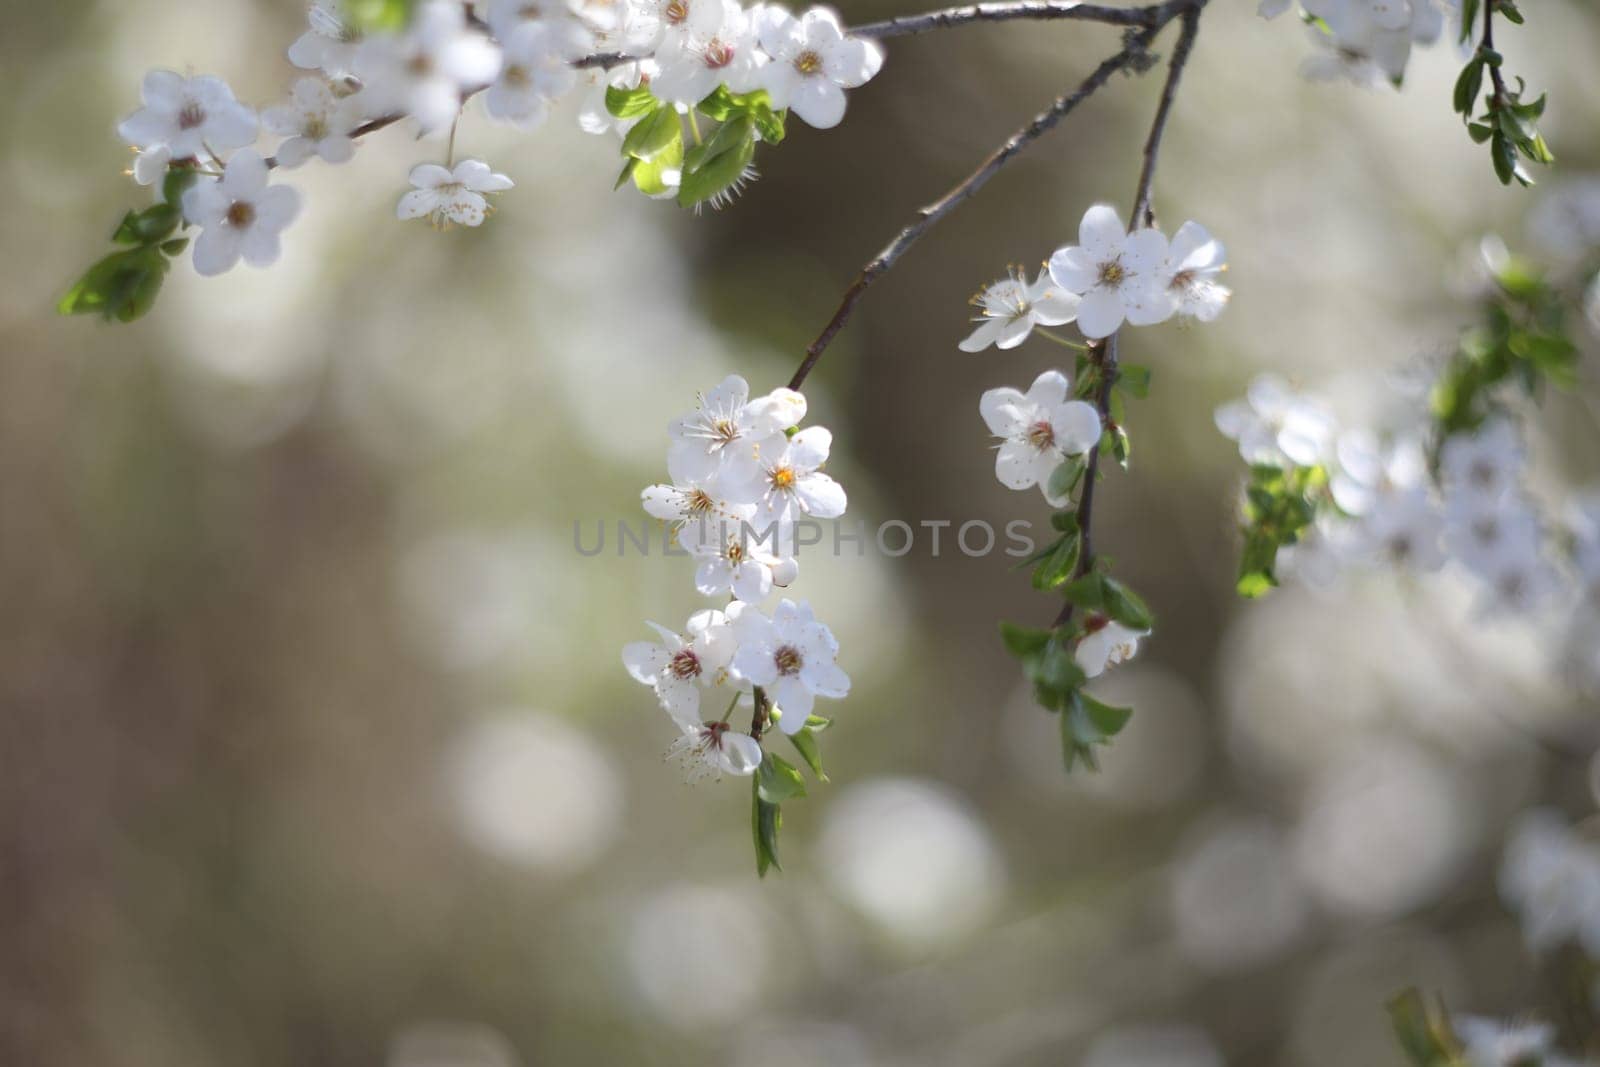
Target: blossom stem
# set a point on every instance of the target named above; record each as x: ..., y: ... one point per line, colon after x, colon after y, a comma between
x: 762, y: 715
x: 694, y: 127
x: 1128, y: 58
x: 729, y: 713
x: 450, y: 149
x: 906, y: 25
x: 1058, y: 339
x: 1486, y: 44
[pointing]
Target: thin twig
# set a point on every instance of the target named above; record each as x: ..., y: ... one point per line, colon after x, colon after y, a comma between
x: 1487, y: 45
x: 1106, y: 356
x: 928, y: 216
x: 905, y: 25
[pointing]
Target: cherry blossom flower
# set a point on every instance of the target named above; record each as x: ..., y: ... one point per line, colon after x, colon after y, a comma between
x: 813, y: 63
x: 329, y: 44
x: 1275, y: 425
x: 737, y: 559
x: 239, y: 215
x: 693, y: 501
x: 693, y: 65
x: 680, y: 666
x: 660, y: 20
x: 726, y: 429
x: 537, y: 68
x: 1194, y: 260
x: 1012, y: 308
x: 790, y: 656
x: 183, y: 118
x: 787, y: 482
x: 1402, y: 528
x: 1367, y: 470
x: 1551, y: 877
x: 1117, y: 273
x: 1488, y: 533
x: 451, y: 196
x: 1038, y: 429
x: 1105, y: 643
x: 712, y: 749
x: 1487, y: 463
x: 316, y: 123
x: 424, y: 71
x: 506, y: 17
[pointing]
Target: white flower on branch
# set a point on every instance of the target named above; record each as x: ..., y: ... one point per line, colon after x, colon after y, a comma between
x: 693, y: 65
x: 239, y: 214
x: 329, y: 43
x: 1011, y: 308
x: 791, y: 656
x: 712, y: 749
x: 1105, y: 643
x: 692, y: 501
x: 1038, y: 429
x: 451, y: 196
x: 536, y: 69
x: 315, y: 122
x: 787, y: 483
x: 1275, y: 425
x: 184, y: 118
x: 1402, y: 528
x: 1366, y: 471
x: 735, y: 559
x: 1485, y: 464
x: 813, y: 63
x: 1194, y: 261
x: 680, y: 666
x: 1117, y: 273
x: 724, y: 432
x: 660, y: 20
x: 424, y: 71
x: 506, y: 17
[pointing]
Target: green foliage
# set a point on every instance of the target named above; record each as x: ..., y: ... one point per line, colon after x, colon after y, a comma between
x: 1086, y: 724
x: 1507, y: 124
x: 766, y: 819
x: 124, y: 285
x: 1280, y: 502
x: 805, y: 743
x: 711, y: 170
x: 1423, y: 1031
x: 1522, y: 339
x: 369, y: 16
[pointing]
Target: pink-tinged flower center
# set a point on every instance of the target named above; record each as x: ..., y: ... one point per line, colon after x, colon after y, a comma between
x: 676, y: 12
x: 190, y: 115
x: 808, y: 63
x: 787, y: 659
x: 241, y: 214
x: 685, y: 664
x: 718, y: 54
x: 1095, y: 623
x: 1182, y: 280
x: 1041, y: 435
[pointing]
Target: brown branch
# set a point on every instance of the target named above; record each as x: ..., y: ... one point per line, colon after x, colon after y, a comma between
x: 1105, y: 355
x: 761, y: 717
x: 905, y: 25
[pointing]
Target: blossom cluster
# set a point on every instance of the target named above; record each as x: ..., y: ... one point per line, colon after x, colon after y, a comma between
x: 742, y: 475
x: 1109, y: 277
x: 518, y: 55
x: 1363, y: 41
x: 1390, y: 503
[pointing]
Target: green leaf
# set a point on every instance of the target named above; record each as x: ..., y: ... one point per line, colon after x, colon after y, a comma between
x: 1022, y: 640
x: 816, y: 723
x: 1106, y: 718
x: 122, y: 286
x: 1469, y: 84
x: 1469, y: 18
x: 655, y: 134
x: 1087, y: 592
x: 1065, y: 478
x: 371, y: 16
x: 150, y: 226
x: 766, y: 819
x: 777, y: 780
x: 652, y: 178
x: 1134, y: 378
x: 713, y: 169
x: 173, y: 185
x: 1065, y: 521
x: 630, y: 103
x: 1059, y: 566
x: 805, y: 743
x: 1125, y: 606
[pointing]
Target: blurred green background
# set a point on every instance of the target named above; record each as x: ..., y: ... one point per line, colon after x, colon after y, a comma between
x: 317, y: 747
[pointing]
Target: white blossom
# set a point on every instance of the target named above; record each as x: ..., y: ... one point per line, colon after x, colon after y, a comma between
x: 1038, y: 430
x: 1194, y: 260
x: 315, y: 122
x: 1011, y: 308
x: 1402, y: 528
x: 1117, y: 273
x: 1275, y: 425
x: 1491, y: 534
x: 240, y: 215
x: 692, y: 501
x: 712, y: 749
x: 451, y: 196
x: 424, y: 71
x: 1105, y: 643
x: 1551, y: 878
x: 1365, y: 470
x: 536, y: 69
x: 791, y: 657
x: 1492, y: 1043
x: 659, y: 20
x: 680, y: 666
x: 786, y: 482
x: 329, y: 43
x: 734, y: 557
x: 693, y: 64
x: 184, y: 118
x: 1487, y: 463
x: 725, y: 431
x: 813, y: 63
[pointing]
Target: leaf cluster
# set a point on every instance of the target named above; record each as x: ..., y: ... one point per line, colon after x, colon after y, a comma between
x: 124, y: 285
x: 659, y: 161
x: 776, y: 781
x: 1507, y: 124
x: 1279, y: 504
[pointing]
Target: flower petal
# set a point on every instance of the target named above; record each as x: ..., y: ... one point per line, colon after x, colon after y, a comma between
x: 1101, y: 232
x: 1100, y: 314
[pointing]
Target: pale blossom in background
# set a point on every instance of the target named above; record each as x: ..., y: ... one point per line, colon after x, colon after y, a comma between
x: 451, y: 196
x: 184, y: 118
x: 239, y: 214
x: 1277, y: 426
x: 315, y: 122
x: 424, y: 71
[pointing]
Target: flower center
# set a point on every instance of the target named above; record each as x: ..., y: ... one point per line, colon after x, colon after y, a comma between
x: 1482, y: 473
x: 699, y: 500
x: 190, y: 115
x: 517, y: 75
x: 783, y: 478
x: 241, y: 214
x: 685, y: 664
x: 808, y: 63
x: 316, y: 127
x: 725, y: 431
x: 1183, y: 279
x: 529, y: 11
x: 1113, y: 274
x: 420, y: 65
x: 1486, y: 530
x: 1041, y: 435
x: 787, y: 659
x: 1399, y: 548
x: 735, y: 552
x: 676, y: 12
x: 1095, y: 623
x: 718, y: 54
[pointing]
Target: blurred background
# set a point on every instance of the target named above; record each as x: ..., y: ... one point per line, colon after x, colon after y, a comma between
x: 316, y: 744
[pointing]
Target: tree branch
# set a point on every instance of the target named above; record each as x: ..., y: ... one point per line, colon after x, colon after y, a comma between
x: 906, y: 25
x: 1106, y: 354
